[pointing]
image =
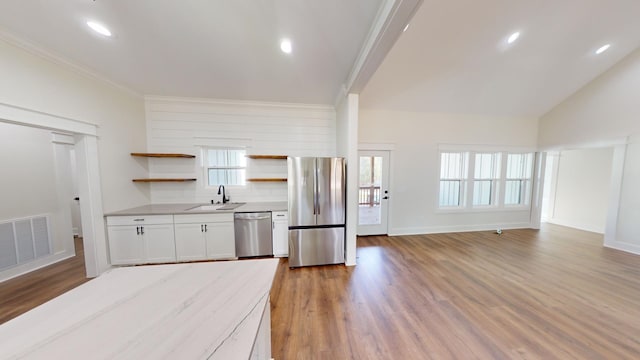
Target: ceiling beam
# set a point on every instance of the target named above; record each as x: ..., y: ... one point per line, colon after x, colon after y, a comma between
x: 389, y: 23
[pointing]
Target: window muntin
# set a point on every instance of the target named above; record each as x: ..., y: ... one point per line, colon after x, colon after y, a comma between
x: 225, y: 166
x: 518, y: 179
x: 475, y: 180
x: 453, y: 178
x: 485, y: 178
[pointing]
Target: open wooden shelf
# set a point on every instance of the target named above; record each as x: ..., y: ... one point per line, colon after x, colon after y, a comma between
x: 268, y: 180
x: 162, y: 155
x: 273, y: 157
x: 162, y: 180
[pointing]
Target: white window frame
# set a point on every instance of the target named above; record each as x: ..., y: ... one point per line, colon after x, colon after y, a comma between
x: 495, y: 179
x: 498, y: 182
x: 464, y: 180
x: 525, y: 191
x: 206, y: 167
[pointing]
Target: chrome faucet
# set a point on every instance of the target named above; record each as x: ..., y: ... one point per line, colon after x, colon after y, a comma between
x: 224, y: 196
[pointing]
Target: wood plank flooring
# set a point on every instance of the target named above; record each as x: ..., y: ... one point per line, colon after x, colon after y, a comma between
x: 549, y: 294
x: 25, y: 292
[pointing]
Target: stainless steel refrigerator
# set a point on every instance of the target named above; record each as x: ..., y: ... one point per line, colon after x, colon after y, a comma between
x: 317, y: 206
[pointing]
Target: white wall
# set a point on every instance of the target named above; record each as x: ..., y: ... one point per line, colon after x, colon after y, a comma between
x: 186, y: 125
x: 582, y: 188
x: 416, y: 137
x: 37, y: 83
x: 606, y: 111
x: 28, y: 187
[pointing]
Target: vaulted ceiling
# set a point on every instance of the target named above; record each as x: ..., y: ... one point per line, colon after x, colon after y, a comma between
x: 453, y: 58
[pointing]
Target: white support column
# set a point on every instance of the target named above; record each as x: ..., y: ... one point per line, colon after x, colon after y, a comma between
x: 352, y: 179
x: 94, y: 239
x: 538, y: 187
x: 617, y: 174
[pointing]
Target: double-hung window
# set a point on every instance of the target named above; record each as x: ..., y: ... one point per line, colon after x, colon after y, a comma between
x: 473, y: 180
x: 518, y: 179
x: 453, y: 179
x: 225, y: 166
x: 486, y: 176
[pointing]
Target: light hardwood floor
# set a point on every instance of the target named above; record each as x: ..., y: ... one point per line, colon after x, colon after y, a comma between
x: 549, y: 294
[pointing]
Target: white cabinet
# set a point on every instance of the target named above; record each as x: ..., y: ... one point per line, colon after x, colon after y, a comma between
x: 204, y: 236
x: 141, y: 239
x: 280, y: 233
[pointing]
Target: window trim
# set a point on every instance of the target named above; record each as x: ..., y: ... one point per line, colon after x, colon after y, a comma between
x: 528, y: 192
x: 499, y: 183
x: 206, y: 167
x: 464, y: 181
x: 495, y: 180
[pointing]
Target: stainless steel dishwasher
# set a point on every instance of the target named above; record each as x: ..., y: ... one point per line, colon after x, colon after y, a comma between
x: 253, y: 234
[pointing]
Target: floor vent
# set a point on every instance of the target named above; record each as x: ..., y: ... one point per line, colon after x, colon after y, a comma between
x: 24, y: 240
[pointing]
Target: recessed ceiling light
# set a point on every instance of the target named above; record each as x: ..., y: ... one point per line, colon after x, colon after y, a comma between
x: 405, y: 28
x: 602, y: 49
x: 285, y: 46
x: 99, y: 28
x: 513, y: 37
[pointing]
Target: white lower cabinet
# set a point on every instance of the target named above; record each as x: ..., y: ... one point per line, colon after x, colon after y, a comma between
x: 280, y: 233
x: 204, y: 237
x: 141, y: 239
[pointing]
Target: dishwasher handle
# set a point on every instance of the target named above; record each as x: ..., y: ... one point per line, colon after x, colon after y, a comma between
x: 252, y: 216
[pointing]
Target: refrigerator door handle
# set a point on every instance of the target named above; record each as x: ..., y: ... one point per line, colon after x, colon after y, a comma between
x: 316, y: 209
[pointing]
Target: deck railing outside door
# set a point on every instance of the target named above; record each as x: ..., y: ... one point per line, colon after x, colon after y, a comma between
x: 369, y: 195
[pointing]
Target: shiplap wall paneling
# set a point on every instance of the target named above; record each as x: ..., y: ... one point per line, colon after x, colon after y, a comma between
x: 179, y: 125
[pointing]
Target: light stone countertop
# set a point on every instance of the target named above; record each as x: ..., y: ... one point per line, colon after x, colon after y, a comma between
x: 174, y: 209
x: 182, y: 311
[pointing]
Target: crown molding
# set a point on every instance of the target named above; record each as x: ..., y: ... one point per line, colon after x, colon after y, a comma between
x: 249, y: 103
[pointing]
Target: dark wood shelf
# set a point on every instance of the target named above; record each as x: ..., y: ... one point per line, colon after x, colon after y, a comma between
x: 268, y: 180
x: 162, y: 155
x: 162, y: 180
x: 273, y: 157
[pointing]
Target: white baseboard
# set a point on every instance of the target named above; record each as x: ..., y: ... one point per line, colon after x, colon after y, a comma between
x: 458, y: 228
x: 34, y: 265
x: 585, y: 227
x: 622, y: 246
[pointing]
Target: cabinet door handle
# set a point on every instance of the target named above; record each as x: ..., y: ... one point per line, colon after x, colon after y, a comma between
x: 137, y: 230
x: 141, y: 230
x: 201, y: 228
x: 138, y: 219
x: 205, y: 227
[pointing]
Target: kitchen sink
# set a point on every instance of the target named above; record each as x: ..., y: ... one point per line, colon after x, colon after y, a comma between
x: 227, y: 206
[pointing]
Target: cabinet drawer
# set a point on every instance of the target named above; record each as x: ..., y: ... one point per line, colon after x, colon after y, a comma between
x: 139, y: 220
x: 203, y: 218
x: 280, y: 215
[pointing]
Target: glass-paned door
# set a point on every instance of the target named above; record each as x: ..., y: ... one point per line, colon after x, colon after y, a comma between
x: 373, y: 193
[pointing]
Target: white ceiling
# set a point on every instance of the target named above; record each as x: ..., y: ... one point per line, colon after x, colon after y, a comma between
x: 454, y: 58
x: 204, y: 48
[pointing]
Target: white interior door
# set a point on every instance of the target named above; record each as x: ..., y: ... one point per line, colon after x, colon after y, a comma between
x: 373, y: 193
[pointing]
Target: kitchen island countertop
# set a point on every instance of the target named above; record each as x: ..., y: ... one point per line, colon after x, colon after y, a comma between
x: 182, y: 311
x: 175, y: 209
